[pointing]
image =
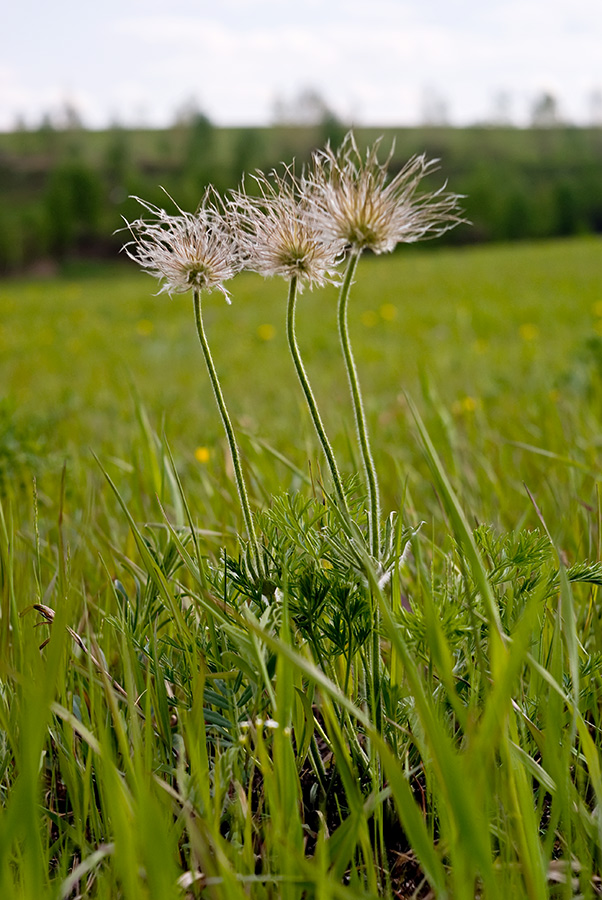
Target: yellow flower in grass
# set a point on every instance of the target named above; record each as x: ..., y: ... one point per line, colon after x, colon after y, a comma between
x: 202, y: 455
x: 528, y: 332
x: 388, y: 312
x: 266, y: 332
x: 466, y: 406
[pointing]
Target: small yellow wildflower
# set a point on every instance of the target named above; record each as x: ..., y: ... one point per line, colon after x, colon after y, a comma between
x: 388, y: 312
x: 528, y: 331
x: 202, y: 454
x: 597, y: 308
x: 266, y: 332
x: 466, y: 405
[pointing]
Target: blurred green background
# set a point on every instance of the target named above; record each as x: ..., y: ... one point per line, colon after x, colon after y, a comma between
x: 64, y: 192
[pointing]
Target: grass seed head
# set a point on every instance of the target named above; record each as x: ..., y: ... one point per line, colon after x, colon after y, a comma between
x: 352, y: 200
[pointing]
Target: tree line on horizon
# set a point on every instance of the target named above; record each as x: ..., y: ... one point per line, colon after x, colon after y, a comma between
x: 66, y: 190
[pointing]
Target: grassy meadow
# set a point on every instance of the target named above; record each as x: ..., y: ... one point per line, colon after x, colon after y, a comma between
x: 189, y: 729
x: 500, y: 344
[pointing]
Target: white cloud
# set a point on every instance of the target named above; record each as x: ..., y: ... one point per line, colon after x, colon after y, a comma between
x: 235, y: 56
x: 378, y: 62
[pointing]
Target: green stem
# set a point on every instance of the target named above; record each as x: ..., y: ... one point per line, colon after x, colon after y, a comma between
x: 311, y: 402
x: 221, y: 405
x: 358, y: 408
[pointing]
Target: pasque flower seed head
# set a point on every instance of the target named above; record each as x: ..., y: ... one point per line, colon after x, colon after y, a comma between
x: 351, y: 199
x: 185, y: 251
x: 276, y: 235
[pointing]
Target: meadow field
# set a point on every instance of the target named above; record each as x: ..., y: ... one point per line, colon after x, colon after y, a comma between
x: 174, y: 725
x: 498, y: 345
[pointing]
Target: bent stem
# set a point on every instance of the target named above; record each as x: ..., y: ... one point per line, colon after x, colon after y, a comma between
x: 221, y: 405
x: 311, y: 402
x: 358, y: 408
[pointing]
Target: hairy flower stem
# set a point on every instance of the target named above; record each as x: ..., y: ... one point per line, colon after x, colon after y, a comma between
x: 358, y: 408
x: 311, y: 402
x: 219, y: 397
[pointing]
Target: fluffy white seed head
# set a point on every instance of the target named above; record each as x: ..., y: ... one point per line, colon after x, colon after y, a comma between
x: 352, y: 200
x: 185, y: 252
x: 277, y: 236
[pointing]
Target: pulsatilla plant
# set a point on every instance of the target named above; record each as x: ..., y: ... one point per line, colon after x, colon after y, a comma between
x: 352, y: 200
x: 320, y: 569
x: 196, y: 253
x: 338, y: 674
x: 310, y: 230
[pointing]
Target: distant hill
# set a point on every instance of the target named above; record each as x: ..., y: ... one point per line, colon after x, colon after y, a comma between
x: 64, y: 193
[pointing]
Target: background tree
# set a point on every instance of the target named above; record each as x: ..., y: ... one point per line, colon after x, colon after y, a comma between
x: 545, y: 112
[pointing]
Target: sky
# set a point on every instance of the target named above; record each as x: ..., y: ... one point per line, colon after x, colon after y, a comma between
x: 376, y: 62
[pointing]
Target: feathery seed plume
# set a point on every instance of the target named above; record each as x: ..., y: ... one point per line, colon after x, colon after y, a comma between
x: 276, y: 235
x: 186, y: 252
x: 351, y: 199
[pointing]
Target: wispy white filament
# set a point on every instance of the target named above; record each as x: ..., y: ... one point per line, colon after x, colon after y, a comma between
x: 353, y: 200
x: 277, y: 237
x: 185, y: 251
